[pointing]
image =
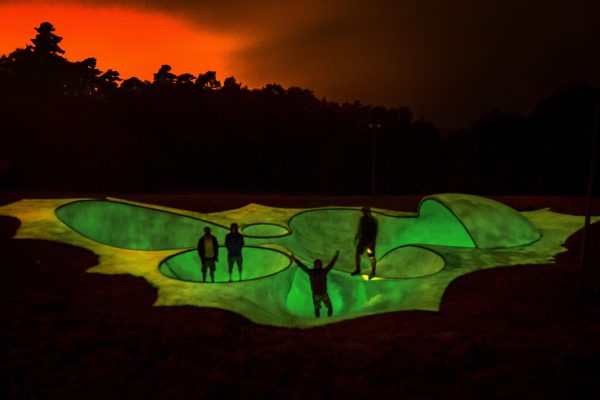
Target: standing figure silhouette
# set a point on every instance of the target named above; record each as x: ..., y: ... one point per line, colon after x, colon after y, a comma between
x: 365, y: 238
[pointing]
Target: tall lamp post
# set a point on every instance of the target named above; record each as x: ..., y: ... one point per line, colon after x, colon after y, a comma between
x: 373, y: 127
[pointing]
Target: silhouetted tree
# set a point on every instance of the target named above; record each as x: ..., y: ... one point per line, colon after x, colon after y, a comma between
x: 208, y: 80
x: 231, y: 84
x: 164, y: 76
x: 185, y: 79
x: 68, y: 124
x: 83, y: 79
x: 46, y: 42
x: 560, y: 138
x: 274, y: 89
x: 109, y: 79
x: 132, y: 84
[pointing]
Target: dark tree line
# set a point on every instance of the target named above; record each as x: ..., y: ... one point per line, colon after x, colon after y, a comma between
x: 67, y: 125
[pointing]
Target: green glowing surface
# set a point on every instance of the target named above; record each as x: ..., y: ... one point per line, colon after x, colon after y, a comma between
x: 410, y: 262
x: 491, y: 224
x: 264, y: 230
x: 418, y: 254
x: 132, y: 227
x: 261, y: 261
x: 314, y: 231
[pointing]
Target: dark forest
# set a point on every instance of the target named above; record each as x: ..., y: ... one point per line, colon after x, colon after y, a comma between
x: 67, y: 126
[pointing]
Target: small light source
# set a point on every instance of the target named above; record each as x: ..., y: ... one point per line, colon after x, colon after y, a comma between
x: 375, y: 278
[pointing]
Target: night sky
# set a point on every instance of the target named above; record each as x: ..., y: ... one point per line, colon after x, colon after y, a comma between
x: 449, y: 61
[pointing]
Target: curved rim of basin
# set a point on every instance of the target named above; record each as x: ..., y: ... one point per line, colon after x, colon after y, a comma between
x: 435, y: 198
x: 288, y: 231
x: 409, y: 215
x: 339, y: 208
x: 290, y: 263
x: 420, y: 276
x: 138, y: 206
x: 351, y: 208
x: 57, y: 210
x: 428, y: 198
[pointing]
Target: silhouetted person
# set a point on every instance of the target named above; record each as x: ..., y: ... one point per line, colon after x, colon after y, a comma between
x: 208, y: 249
x: 234, y: 242
x: 365, y: 240
x: 318, y: 282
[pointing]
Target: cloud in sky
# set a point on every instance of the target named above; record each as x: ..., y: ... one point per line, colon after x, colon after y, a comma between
x: 449, y: 61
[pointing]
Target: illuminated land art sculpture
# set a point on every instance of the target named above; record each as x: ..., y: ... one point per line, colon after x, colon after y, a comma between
x: 419, y: 254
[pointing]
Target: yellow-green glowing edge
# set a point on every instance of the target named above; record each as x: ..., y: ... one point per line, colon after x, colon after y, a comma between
x: 418, y: 254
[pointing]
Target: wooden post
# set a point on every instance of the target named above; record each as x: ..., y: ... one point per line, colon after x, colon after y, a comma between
x: 590, y: 197
x: 374, y: 127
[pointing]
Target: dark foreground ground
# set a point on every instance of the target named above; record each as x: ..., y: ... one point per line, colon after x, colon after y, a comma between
x: 519, y: 332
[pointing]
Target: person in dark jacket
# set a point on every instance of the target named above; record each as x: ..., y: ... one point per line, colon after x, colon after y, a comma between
x: 318, y: 283
x: 234, y: 242
x: 365, y: 240
x: 208, y: 249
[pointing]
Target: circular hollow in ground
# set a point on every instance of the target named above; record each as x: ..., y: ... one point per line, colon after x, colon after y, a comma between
x: 258, y: 262
x: 264, y: 230
x: 410, y: 262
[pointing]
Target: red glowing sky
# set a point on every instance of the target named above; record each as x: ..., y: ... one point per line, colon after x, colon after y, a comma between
x: 132, y: 42
x: 449, y: 61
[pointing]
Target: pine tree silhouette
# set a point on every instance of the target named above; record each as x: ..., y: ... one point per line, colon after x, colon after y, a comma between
x: 46, y: 42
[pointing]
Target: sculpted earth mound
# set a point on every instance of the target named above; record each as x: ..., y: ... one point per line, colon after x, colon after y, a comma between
x: 418, y: 254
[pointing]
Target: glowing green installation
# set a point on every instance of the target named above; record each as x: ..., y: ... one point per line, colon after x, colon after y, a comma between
x: 133, y: 227
x: 491, y: 224
x: 410, y: 262
x: 418, y: 254
x: 314, y: 231
x: 264, y: 230
x: 186, y: 266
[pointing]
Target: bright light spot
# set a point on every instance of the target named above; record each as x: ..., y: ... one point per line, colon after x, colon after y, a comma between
x: 375, y: 278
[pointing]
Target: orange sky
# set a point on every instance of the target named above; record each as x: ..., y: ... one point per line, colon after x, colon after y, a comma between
x: 450, y: 62
x: 133, y: 42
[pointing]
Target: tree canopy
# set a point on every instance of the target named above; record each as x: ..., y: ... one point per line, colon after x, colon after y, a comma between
x: 67, y: 124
